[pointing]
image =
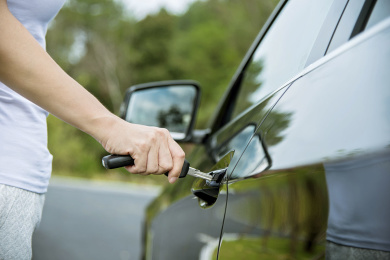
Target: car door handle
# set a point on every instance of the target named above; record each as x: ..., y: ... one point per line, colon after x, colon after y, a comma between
x: 207, y: 192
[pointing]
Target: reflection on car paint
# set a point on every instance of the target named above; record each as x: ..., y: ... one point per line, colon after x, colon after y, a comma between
x: 289, y: 219
x: 301, y: 153
x: 332, y: 136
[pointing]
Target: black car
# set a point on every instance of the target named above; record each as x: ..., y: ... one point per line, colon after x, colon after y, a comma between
x: 302, y: 137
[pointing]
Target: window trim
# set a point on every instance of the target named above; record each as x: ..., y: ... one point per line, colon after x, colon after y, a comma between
x: 363, y: 17
x: 222, y: 116
x: 352, y: 22
x: 327, y: 31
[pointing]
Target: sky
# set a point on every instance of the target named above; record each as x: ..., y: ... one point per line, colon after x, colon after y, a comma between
x: 141, y: 8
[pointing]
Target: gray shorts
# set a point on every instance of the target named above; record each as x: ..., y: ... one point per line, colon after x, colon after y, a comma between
x: 335, y: 252
x: 20, y: 214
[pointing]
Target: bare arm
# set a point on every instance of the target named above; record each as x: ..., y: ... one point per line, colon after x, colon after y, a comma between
x: 29, y: 70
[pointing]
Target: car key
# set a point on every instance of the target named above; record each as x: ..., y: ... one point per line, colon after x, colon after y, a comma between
x: 115, y: 161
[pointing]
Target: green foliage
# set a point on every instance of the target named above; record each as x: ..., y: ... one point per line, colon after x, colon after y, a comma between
x: 151, y: 48
x: 73, y: 150
x: 107, y: 51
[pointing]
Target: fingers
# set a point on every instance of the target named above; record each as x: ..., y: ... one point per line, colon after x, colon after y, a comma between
x: 155, y: 152
x: 152, y: 166
x: 178, y: 157
x: 164, y: 154
x: 140, y: 156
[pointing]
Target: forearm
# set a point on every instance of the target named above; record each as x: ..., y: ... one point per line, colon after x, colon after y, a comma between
x: 29, y: 70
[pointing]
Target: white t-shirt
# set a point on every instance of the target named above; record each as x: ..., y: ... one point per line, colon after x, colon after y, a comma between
x: 25, y: 161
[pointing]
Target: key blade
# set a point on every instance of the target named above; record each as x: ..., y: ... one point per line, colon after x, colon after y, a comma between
x: 198, y: 174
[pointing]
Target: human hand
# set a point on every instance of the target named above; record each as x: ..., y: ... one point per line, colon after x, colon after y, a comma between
x: 153, y: 149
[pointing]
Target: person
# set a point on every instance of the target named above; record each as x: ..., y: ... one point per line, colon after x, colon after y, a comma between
x: 33, y: 85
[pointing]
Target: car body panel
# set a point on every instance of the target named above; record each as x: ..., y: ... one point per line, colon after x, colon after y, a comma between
x: 285, y: 145
x: 176, y: 214
x: 335, y: 114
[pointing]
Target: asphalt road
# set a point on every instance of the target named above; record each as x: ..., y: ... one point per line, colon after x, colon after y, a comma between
x: 85, y: 220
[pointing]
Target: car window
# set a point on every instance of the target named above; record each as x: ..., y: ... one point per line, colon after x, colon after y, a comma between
x: 380, y: 12
x: 282, y: 52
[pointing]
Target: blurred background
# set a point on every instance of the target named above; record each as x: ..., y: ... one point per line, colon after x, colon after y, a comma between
x: 109, y: 45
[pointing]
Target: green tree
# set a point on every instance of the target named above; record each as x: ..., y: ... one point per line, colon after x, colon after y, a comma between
x: 151, y: 48
x: 90, y: 40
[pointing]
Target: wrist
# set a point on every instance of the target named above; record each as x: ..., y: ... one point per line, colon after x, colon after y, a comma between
x: 102, y: 127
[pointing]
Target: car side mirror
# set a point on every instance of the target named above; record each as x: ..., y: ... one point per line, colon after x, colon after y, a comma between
x: 167, y: 104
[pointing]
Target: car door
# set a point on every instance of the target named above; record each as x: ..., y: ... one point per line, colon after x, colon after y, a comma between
x: 323, y: 141
x: 277, y: 55
x: 280, y: 52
